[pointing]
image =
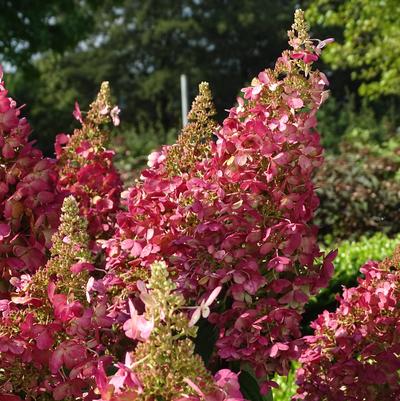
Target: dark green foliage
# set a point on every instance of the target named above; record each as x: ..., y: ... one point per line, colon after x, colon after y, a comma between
x: 348, y: 120
x: 207, y: 336
x: 250, y: 389
x: 34, y: 26
x: 142, y: 47
x: 359, y: 191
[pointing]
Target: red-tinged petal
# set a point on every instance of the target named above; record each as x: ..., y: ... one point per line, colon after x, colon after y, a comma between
x: 5, y: 230
x: 56, y: 360
x: 127, y: 244
x: 309, y: 58
x: 81, y: 266
x: 295, y: 102
x: 146, y: 251
x: 77, y: 113
x: 136, y: 249
x: 27, y: 300
x: 44, y: 340
x: 8, y: 151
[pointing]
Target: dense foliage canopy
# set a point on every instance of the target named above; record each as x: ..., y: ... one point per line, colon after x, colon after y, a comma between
x: 369, y: 46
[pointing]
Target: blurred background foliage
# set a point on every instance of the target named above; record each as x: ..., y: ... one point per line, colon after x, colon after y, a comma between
x: 142, y: 47
x: 57, y: 52
x: 369, y: 41
x: 61, y: 51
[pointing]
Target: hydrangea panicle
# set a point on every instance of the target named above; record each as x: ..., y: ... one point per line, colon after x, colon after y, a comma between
x: 241, y: 219
x: 86, y: 168
x: 50, y: 336
x: 193, y: 144
x: 163, y: 364
x: 29, y: 202
x: 219, y: 224
x: 354, y: 352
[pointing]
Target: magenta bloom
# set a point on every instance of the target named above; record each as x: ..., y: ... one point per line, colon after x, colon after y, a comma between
x: 240, y: 221
x: 354, y: 352
x: 29, y: 202
x: 137, y: 327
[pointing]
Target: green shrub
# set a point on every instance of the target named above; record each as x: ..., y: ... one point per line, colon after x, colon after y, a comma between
x: 287, y: 386
x: 342, y: 120
x: 359, y: 191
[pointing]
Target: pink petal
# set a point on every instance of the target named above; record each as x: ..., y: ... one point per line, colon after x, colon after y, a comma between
x: 295, y: 102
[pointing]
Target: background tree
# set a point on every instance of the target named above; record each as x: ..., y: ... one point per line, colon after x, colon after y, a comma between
x: 368, y: 44
x: 29, y: 29
x: 143, y: 47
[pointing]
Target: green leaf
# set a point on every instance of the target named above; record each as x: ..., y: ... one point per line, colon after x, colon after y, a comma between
x: 207, y: 335
x: 250, y: 389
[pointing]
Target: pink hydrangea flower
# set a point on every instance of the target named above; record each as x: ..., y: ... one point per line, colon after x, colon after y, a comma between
x: 137, y: 327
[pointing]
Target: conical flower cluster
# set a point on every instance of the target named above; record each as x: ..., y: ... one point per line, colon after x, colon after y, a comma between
x: 354, y: 352
x: 163, y: 365
x: 239, y: 217
x: 49, y: 332
x: 29, y: 202
x: 193, y: 144
x: 86, y: 168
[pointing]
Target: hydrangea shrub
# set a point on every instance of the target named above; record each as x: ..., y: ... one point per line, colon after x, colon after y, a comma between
x: 29, y: 202
x: 238, y: 215
x: 351, y: 255
x: 218, y: 230
x: 354, y: 352
x: 359, y: 193
x: 85, y: 165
